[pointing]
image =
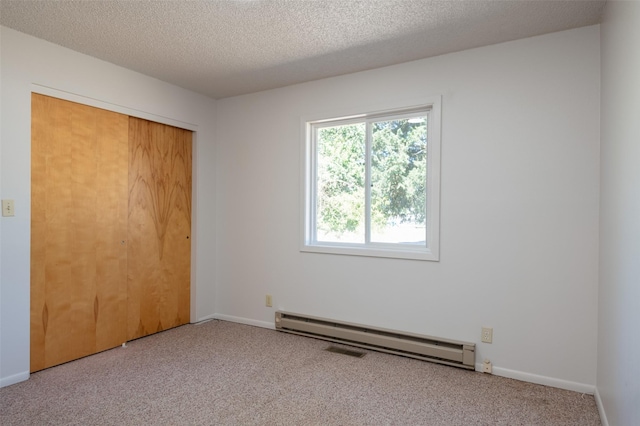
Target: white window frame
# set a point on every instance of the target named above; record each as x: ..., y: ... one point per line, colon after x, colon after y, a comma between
x: 429, y: 251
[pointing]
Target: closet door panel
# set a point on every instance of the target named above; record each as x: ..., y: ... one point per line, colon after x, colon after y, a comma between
x: 78, y: 223
x: 159, y: 240
x: 110, y: 305
x: 39, y: 316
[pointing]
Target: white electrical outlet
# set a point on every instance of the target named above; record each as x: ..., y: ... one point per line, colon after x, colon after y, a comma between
x: 268, y: 301
x: 487, y: 334
x: 486, y: 366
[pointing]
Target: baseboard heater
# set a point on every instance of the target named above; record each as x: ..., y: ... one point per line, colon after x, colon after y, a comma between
x: 426, y: 348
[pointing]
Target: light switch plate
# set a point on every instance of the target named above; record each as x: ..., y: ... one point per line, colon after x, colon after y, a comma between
x: 8, y: 208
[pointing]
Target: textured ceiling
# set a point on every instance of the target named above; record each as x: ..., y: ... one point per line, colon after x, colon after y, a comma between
x: 227, y: 48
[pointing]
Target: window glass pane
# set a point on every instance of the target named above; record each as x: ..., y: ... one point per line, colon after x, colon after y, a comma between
x: 398, y: 181
x: 340, y: 196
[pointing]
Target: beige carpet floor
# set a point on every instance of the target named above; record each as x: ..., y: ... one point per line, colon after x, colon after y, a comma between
x: 222, y: 373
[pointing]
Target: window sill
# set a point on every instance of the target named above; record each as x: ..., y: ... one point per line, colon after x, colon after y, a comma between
x: 405, y: 252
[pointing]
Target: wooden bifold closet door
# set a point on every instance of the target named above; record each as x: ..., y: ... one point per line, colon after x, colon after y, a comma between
x: 159, y: 227
x: 99, y: 275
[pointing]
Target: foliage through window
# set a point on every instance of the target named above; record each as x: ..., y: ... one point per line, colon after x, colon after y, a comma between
x: 372, y: 184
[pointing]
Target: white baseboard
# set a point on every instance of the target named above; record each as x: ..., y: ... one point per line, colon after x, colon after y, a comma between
x: 12, y: 380
x: 205, y: 318
x: 603, y: 415
x: 503, y: 372
x: 240, y: 320
x: 541, y: 380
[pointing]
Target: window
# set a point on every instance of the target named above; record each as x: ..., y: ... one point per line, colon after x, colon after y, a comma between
x: 372, y: 183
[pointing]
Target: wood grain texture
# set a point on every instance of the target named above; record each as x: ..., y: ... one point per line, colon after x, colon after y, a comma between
x: 78, y: 220
x: 159, y: 232
x: 111, y: 219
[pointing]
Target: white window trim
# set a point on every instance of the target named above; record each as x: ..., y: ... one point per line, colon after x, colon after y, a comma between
x: 432, y: 251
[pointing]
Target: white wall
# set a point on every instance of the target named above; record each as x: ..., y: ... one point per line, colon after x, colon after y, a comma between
x: 30, y: 64
x: 519, y: 227
x: 619, y: 300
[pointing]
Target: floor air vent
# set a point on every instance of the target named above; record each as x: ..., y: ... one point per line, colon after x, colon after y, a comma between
x: 427, y: 348
x: 344, y: 351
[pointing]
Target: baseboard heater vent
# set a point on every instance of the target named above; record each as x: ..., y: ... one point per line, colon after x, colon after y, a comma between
x: 427, y: 348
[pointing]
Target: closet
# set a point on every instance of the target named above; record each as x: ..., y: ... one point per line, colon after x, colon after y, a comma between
x: 110, y: 229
